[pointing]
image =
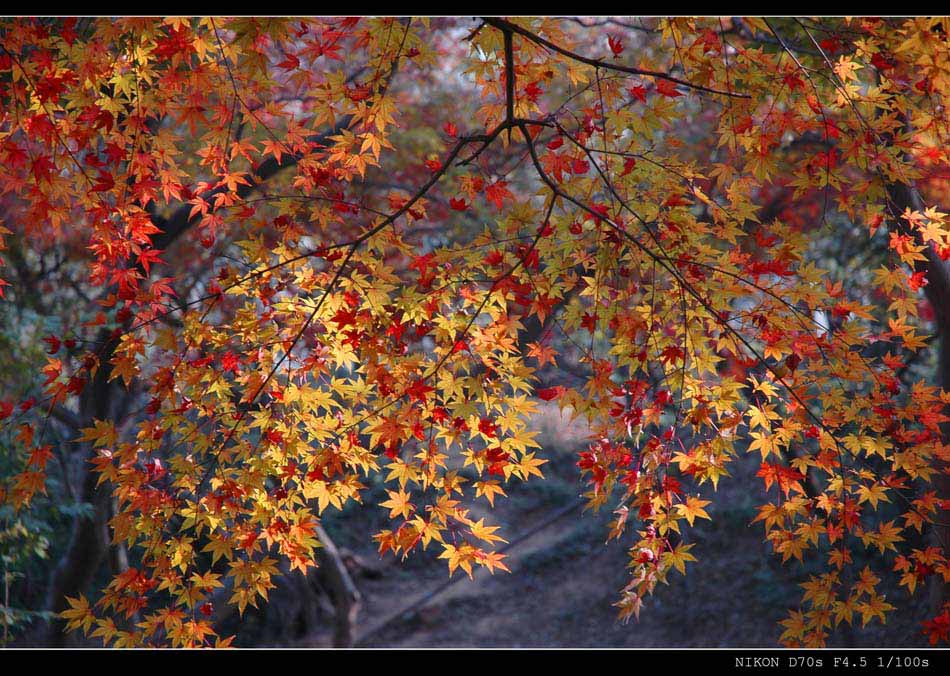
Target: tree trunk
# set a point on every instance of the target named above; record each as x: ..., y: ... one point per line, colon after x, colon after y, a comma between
x: 939, y: 589
x: 903, y: 197
x: 335, y: 578
x: 89, y: 542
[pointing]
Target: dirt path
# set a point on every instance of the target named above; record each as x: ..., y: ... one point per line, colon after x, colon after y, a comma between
x: 564, y: 581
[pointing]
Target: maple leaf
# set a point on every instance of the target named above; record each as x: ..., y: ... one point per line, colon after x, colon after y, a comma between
x: 938, y: 628
x: 458, y: 557
x: 692, y: 508
x: 488, y: 489
x: 667, y: 88
x: 230, y: 362
x: 102, y: 434
x: 549, y: 393
x: 615, y: 44
x: 419, y: 391
x: 544, y: 353
x: 290, y: 62
x: 678, y: 557
x: 79, y: 614
x: 493, y: 560
x: 529, y: 465
x: 876, y: 606
x: 398, y: 504
x: 497, y: 193
x: 483, y: 532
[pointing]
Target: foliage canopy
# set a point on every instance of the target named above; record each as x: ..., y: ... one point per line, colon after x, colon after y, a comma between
x: 313, y: 251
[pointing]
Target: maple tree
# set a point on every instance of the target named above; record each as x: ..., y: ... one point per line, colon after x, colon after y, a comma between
x: 270, y: 258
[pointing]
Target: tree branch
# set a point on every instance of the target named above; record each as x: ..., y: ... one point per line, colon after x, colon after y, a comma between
x: 509, y: 27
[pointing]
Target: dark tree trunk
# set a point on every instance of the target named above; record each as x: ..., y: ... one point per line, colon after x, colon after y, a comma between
x: 89, y: 541
x: 335, y: 578
x: 903, y: 197
x: 939, y: 589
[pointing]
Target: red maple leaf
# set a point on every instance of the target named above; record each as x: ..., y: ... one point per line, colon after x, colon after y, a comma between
x: 667, y: 88
x: 289, y: 63
x: 497, y: 192
x: 230, y: 362
x: 616, y: 46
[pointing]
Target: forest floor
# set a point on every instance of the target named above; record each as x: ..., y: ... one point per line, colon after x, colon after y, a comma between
x: 564, y: 578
